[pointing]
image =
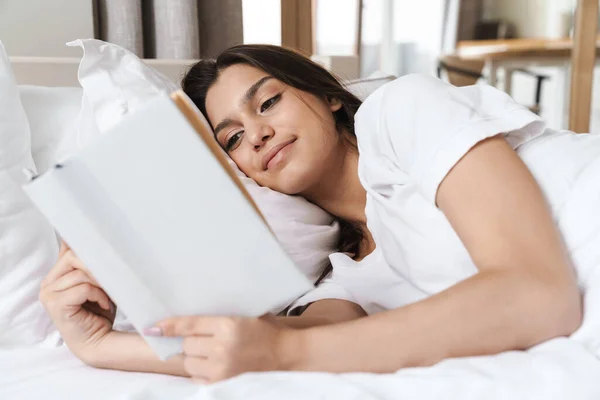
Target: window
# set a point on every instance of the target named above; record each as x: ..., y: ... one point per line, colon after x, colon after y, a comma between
x: 262, y: 21
x: 335, y: 25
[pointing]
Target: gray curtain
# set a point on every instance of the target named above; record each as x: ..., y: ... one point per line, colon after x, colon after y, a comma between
x: 220, y: 25
x: 171, y: 28
x: 120, y: 22
x: 174, y: 29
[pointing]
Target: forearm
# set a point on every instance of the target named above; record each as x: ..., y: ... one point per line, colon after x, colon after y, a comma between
x: 324, y: 312
x: 485, y: 314
x: 307, y: 321
x: 127, y: 351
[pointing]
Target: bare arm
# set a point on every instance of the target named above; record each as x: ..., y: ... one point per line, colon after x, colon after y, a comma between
x: 525, y: 291
x: 129, y: 352
x: 325, y: 312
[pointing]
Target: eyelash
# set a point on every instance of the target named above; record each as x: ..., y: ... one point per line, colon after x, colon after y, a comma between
x: 270, y: 102
x: 234, y: 139
x: 231, y: 142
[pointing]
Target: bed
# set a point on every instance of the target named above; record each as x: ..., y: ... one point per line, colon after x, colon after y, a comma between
x: 562, y: 368
x: 559, y: 369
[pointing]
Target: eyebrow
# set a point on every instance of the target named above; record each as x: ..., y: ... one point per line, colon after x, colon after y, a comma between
x: 250, y: 93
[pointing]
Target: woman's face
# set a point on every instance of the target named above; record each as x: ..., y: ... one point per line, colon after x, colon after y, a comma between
x: 279, y: 136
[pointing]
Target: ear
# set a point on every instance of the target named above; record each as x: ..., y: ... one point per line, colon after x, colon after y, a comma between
x: 334, y: 104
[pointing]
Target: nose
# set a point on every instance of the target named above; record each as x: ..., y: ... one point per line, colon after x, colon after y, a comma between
x: 261, y: 135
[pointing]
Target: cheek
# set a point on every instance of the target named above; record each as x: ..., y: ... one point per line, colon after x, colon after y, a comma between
x: 248, y: 167
x: 322, y: 134
x: 242, y: 162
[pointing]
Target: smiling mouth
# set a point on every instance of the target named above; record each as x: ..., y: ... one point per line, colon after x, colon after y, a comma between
x: 272, y: 154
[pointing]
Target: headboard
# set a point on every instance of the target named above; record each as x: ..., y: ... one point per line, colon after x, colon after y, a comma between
x: 62, y: 71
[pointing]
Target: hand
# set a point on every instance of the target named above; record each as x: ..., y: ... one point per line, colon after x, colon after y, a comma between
x: 217, y: 348
x: 80, y: 309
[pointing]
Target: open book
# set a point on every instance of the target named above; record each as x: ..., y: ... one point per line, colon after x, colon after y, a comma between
x: 162, y: 222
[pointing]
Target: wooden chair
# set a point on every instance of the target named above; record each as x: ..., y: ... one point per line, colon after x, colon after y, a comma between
x: 460, y: 72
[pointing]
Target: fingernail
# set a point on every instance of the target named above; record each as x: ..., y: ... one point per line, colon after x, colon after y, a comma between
x: 153, y: 331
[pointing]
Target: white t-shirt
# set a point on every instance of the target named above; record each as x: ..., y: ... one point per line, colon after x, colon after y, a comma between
x: 410, y: 133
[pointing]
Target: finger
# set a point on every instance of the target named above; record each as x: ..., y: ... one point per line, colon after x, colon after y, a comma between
x: 67, y: 263
x: 62, y: 267
x: 202, y: 381
x: 81, y: 293
x: 198, y: 346
x: 95, y: 308
x: 188, y: 326
x: 76, y: 263
x: 198, y: 368
x: 64, y: 247
x: 70, y: 279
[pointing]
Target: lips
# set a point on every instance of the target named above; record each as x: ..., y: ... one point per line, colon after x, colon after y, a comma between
x: 272, y: 152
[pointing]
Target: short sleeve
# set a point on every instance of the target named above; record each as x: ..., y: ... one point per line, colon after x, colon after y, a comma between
x: 329, y: 288
x: 422, y: 126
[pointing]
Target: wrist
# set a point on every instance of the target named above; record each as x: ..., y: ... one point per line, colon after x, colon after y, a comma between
x: 294, y: 349
x: 95, y: 354
x: 128, y: 351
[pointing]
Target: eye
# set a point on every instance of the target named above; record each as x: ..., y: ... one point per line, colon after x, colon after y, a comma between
x: 269, y: 103
x: 233, y: 141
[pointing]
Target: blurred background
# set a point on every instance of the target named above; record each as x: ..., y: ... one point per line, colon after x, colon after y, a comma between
x: 521, y: 46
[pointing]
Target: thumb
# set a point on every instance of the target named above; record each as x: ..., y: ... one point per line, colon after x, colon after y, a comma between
x: 64, y: 247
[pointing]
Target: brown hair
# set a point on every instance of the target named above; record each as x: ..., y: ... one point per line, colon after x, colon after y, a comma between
x: 294, y: 70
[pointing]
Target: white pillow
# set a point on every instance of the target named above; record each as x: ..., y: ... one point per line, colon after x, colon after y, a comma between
x: 52, y: 113
x: 115, y: 82
x: 28, y: 246
x: 307, y: 233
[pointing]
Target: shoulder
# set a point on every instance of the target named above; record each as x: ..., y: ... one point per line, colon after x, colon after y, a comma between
x: 403, y: 87
x: 409, y: 93
x: 403, y: 98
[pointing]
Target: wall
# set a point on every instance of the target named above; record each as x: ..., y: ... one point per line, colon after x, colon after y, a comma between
x: 42, y: 27
x: 532, y: 18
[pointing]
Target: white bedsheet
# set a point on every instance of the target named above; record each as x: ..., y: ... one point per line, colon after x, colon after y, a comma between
x: 559, y: 369
x: 54, y: 373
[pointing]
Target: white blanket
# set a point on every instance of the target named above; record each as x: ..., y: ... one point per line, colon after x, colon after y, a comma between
x: 557, y: 370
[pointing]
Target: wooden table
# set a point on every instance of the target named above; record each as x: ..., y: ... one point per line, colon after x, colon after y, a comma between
x: 513, y: 54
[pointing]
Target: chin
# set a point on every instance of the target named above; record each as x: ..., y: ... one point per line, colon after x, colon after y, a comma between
x: 294, y: 181
x: 287, y: 187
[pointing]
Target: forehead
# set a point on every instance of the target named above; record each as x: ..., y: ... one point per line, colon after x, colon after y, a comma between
x: 234, y: 81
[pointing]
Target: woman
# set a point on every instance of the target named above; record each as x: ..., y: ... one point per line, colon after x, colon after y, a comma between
x: 453, y: 236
